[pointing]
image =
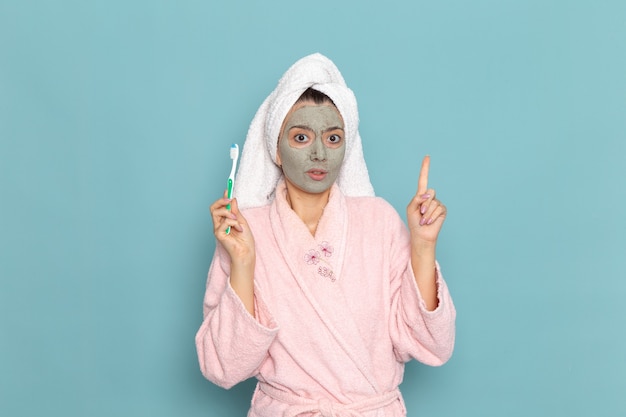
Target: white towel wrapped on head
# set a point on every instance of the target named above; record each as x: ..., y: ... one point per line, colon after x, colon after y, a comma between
x: 258, y: 173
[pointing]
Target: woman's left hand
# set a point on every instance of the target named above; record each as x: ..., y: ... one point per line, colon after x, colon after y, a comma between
x: 425, y: 214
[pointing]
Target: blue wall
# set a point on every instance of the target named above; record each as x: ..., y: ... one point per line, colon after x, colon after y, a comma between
x: 115, y: 123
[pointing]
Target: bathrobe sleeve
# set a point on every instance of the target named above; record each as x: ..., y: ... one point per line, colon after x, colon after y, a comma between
x: 427, y: 336
x: 231, y: 344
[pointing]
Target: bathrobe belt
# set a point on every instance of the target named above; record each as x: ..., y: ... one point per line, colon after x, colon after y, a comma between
x: 326, y: 408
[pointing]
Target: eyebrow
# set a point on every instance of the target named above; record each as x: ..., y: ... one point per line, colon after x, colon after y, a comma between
x: 311, y: 130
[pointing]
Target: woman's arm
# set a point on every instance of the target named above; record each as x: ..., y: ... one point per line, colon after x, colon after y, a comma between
x: 231, y: 342
x: 239, y: 244
x: 425, y: 215
x: 423, y: 263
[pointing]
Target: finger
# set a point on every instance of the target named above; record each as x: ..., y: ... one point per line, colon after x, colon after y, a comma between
x: 220, y: 231
x: 425, y: 200
x: 219, y: 217
x: 428, y: 214
x: 219, y: 203
x: 439, y: 213
x: 226, y: 198
x: 229, y: 217
x: 420, y: 202
x: 431, y: 209
x: 237, y: 212
x: 222, y: 202
x: 422, y: 182
x: 219, y: 211
x: 223, y: 213
x: 234, y: 207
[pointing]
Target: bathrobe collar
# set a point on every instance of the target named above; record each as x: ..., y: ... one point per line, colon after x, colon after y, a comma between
x: 316, y: 263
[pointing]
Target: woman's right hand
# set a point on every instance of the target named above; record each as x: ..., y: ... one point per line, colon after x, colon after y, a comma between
x: 239, y: 243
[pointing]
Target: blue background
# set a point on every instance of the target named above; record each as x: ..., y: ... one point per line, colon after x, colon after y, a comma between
x: 116, y: 120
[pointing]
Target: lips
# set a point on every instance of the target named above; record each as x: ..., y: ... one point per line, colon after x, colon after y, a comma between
x: 317, y: 174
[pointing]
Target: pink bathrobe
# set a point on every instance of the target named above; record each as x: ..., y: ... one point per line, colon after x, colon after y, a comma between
x: 337, y: 315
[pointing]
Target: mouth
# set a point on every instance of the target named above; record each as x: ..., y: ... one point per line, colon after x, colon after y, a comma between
x: 317, y: 174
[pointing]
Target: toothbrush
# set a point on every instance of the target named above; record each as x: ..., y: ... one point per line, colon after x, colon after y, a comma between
x: 234, y: 155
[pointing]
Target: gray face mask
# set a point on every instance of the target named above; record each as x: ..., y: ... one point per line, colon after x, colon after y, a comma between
x: 312, y: 146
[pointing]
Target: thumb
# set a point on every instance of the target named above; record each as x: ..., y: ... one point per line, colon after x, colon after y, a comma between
x: 234, y: 208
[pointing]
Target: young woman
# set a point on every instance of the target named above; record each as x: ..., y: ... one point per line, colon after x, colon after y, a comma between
x: 319, y: 290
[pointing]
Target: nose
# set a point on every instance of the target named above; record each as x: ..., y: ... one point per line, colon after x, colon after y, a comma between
x: 318, y: 150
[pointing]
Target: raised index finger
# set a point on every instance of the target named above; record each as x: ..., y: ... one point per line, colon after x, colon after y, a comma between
x: 422, y: 182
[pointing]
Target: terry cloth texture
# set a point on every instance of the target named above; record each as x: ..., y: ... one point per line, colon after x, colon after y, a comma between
x: 336, y: 314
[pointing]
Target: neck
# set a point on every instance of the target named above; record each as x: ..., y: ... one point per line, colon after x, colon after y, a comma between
x: 309, y: 207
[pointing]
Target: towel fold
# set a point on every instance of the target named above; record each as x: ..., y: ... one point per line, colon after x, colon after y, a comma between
x: 258, y: 173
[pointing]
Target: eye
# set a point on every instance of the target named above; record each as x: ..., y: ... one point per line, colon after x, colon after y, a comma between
x: 335, y: 139
x: 300, y: 138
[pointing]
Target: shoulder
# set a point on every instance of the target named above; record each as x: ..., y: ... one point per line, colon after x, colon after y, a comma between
x: 374, y: 204
x: 372, y: 209
x: 257, y: 217
x: 374, y: 219
x: 261, y: 211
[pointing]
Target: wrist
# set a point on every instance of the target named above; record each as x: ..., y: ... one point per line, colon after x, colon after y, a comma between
x: 421, y: 246
x: 242, y: 256
x: 243, y: 263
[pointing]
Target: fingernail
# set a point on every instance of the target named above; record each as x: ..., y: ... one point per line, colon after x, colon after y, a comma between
x: 430, y: 221
x: 425, y: 196
x: 423, y: 221
x: 423, y: 209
